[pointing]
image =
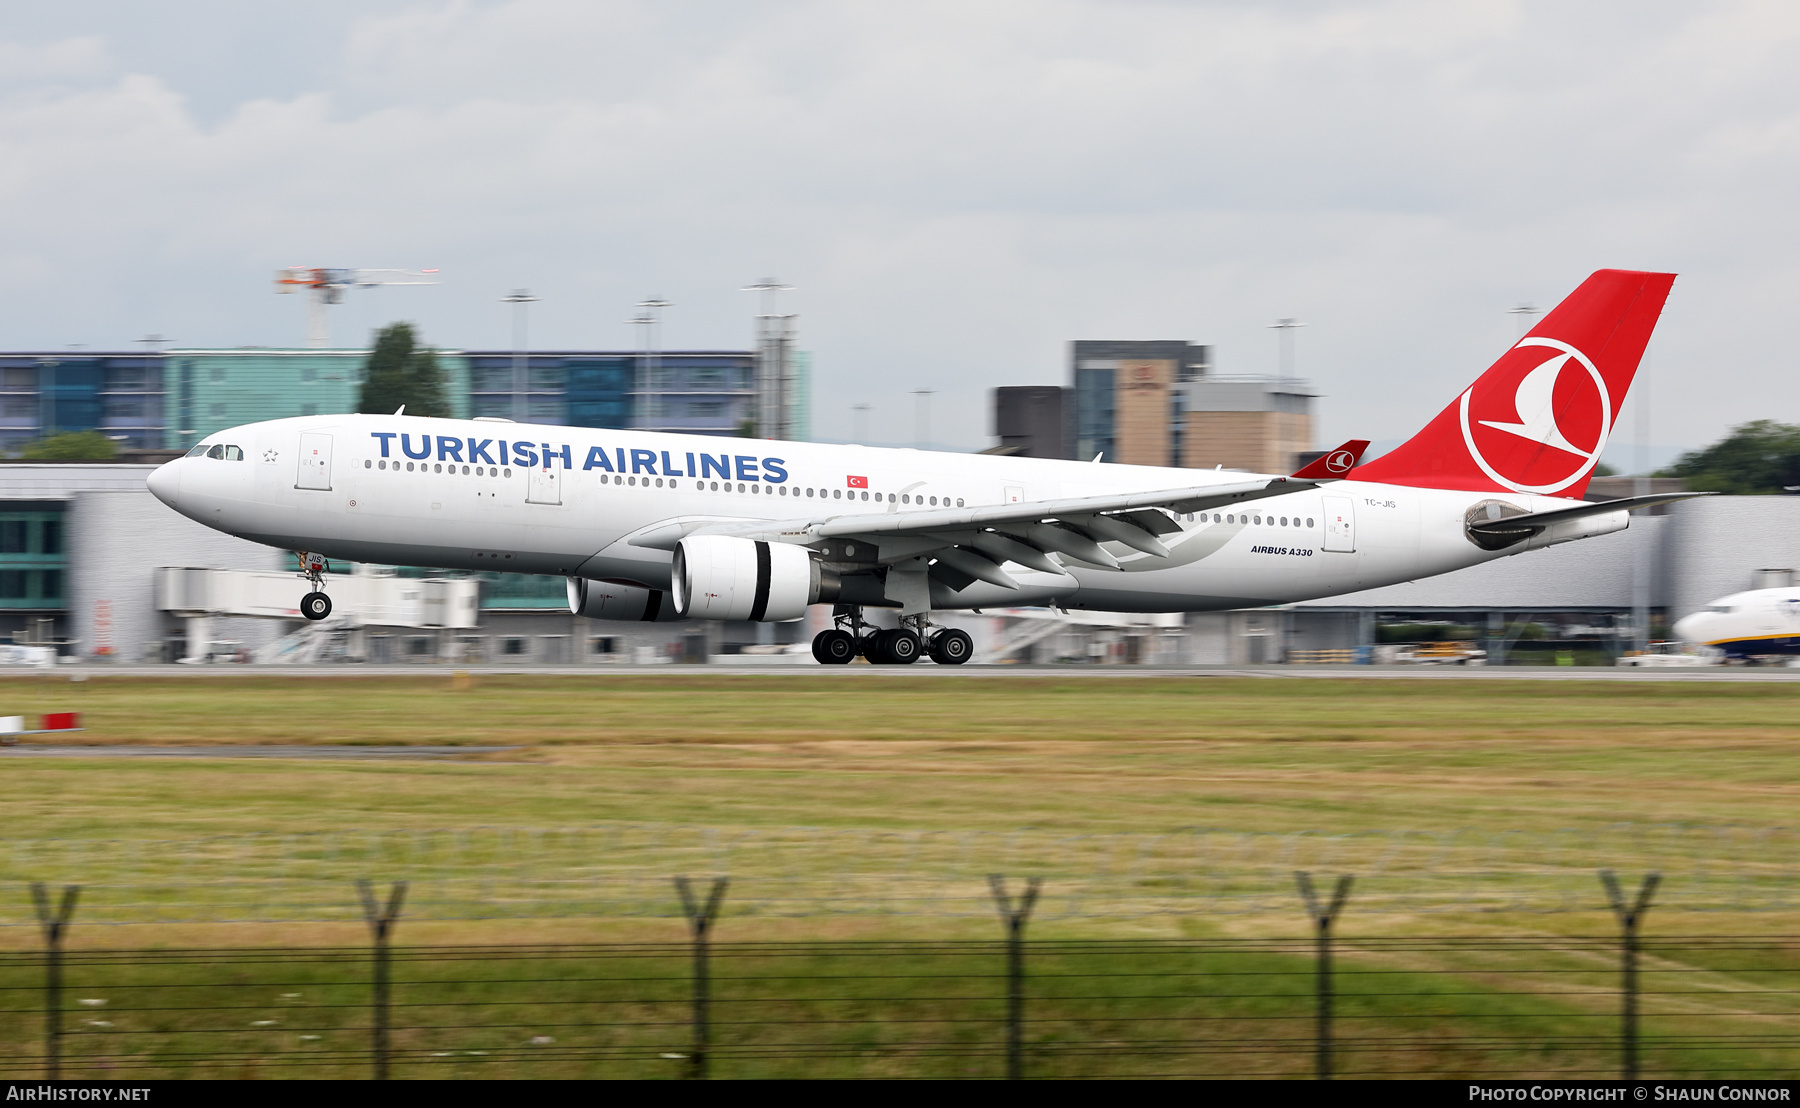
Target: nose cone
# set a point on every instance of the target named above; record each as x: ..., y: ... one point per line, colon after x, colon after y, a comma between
x: 1689, y: 628
x: 164, y: 482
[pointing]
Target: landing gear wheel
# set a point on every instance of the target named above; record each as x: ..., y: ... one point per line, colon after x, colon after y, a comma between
x: 874, y: 648
x: 315, y: 605
x: 951, y: 647
x: 898, y: 647
x: 834, y: 647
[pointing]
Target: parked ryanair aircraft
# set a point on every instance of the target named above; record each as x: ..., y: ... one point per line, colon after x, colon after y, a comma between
x: 650, y: 526
x: 1760, y: 622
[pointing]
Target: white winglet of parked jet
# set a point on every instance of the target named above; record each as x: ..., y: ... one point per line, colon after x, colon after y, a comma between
x: 653, y: 526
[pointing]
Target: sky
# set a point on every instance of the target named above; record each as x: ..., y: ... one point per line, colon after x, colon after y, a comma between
x: 955, y: 190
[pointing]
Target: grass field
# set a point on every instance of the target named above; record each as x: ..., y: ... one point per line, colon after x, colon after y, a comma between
x: 1160, y: 1008
x: 685, y: 773
x: 1083, y: 755
x: 1586, y: 767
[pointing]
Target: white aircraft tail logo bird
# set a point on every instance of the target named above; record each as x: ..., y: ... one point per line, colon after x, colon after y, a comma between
x: 1534, y: 403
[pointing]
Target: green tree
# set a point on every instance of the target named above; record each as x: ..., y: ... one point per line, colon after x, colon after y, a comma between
x: 71, y: 446
x: 400, y: 371
x: 1756, y: 459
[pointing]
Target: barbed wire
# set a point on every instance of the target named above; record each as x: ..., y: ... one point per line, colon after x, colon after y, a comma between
x: 1410, y: 1005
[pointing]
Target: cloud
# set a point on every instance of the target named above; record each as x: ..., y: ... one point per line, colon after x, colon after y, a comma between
x: 957, y: 189
x: 81, y: 58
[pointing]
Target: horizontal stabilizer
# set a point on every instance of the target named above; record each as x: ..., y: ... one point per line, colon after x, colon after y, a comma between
x: 1505, y: 530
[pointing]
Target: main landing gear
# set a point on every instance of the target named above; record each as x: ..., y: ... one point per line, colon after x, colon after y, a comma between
x: 315, y: 605
x: 895, y: 646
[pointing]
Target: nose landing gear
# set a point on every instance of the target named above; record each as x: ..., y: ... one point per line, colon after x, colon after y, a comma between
x: 315, y: 605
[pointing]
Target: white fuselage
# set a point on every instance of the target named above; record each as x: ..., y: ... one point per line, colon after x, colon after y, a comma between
x: 392, y: 490
x: 1762, y: 621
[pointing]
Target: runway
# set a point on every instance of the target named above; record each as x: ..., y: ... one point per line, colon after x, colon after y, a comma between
x: 357, y: 753
x: 1727, y: 674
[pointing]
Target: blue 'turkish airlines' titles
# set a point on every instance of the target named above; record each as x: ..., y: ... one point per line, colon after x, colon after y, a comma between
x: 450, y: 448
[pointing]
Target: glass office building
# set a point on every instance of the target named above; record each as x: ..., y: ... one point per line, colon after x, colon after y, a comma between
x: 692, y: 392
x: 173, y: 399
x: 120, y: 394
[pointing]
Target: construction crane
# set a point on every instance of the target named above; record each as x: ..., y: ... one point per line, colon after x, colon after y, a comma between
x: 326, y: 286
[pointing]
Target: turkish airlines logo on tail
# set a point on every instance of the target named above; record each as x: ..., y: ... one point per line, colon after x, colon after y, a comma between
x: 1538, y: 421
x: 1340, y: 461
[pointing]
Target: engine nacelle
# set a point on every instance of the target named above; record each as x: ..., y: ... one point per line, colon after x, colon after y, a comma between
x: 720, y: 577
x: 603, y: 600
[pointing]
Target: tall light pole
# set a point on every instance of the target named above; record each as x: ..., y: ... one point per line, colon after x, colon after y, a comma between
x: 1286, y: 329
x: 922, y: 418
x: 774, y: 372
x: 47, y: 385
x: 152, y: 356
x: 521, y: 361
x: 649, y: 413
x: 1642, y: 568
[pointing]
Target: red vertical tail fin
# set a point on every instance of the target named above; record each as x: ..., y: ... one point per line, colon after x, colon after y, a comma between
x: 1537, y: 421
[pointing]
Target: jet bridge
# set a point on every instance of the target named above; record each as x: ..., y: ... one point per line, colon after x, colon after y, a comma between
x: 361, y: 599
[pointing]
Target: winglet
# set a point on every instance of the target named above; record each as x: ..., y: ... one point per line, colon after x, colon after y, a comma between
x: 1334, y: 463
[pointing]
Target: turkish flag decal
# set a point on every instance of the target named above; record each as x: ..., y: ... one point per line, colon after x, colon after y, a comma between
x: 858, y: 482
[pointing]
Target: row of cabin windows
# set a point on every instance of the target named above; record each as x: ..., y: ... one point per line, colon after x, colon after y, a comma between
x: 438, y: 467
x: 703, y: 486
x: 1257, y: 520
x: 783, y: 490
x: 835, y: 494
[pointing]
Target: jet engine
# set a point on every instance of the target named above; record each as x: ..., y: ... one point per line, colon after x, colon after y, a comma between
x: 720, y: 577
x: 633, y: 603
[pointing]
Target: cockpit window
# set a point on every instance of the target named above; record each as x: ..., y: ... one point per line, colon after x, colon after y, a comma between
x: 198, y: 451
x: 234, y: 453
x: 1722, y: 609
x: 217, y: 452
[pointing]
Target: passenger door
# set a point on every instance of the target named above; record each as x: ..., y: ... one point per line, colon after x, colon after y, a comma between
x: 1340, y: 524
x: 315, y: 461
x: 544, y: 487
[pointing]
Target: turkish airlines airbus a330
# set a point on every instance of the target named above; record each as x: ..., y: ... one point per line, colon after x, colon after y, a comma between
x: 650, y: 526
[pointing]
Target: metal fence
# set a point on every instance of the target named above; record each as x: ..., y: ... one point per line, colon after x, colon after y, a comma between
x: 1326, y: 1005
x: 620, y: 870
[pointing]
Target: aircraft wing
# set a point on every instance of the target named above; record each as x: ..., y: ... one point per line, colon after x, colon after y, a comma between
x: 973, y: 543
